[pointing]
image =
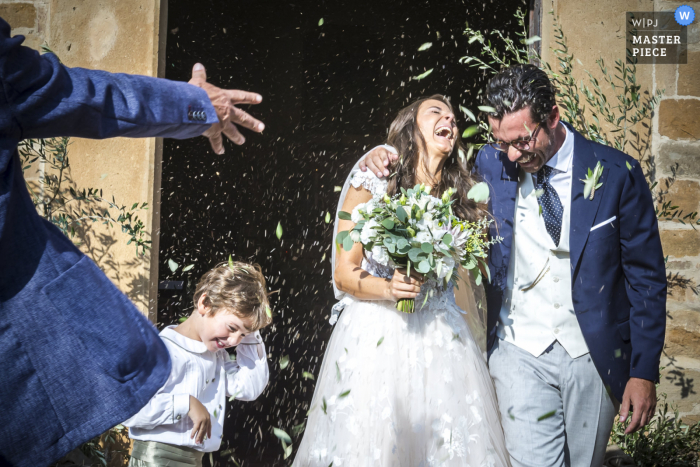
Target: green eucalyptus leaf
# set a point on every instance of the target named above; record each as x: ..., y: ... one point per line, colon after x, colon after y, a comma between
x: 423, y: 267
x: 426, y: 247
x: 388, y: 223
x: 346, y: 216
x: 348, y: 243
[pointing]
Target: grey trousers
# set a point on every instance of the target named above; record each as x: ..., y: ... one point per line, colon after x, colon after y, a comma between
x: 554, y: 409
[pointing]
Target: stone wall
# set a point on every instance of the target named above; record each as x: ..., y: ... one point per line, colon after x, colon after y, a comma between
x: 596, y: 28
x: 117, y: 36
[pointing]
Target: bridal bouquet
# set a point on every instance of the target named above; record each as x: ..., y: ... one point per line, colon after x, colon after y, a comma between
x: 417, y: 231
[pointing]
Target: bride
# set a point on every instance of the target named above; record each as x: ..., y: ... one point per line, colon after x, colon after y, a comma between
x: 397, y: 389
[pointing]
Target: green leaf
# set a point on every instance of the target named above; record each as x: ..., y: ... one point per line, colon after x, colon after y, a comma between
x: 388, y: 224
x: 423, y: 267
x: 346, y: 216
x: 468, y: 113
x: 341, y: 236
x: 415, y: 254
x: 379, y: 342
x: 268, y: 311
x: 470, y: 131
x: 282, y: 435
x: 487, y: 109
x: 337, y: 371
x: 348, y: 243
x: 546, y: 416
x: 532, y: 40
x: 425, y: 46
x: 278, y: 231
x: 328, y: 217
x: 182, y: 320
x: 337, y: 189
x: 284, y: 362
x: 172, y: 265
x: 401, y: 214
x: 423, y: 75
x: 479, y: 192
x: 426, y: 247
x: 187, y: 268
x: 307, y: 375
x: 447, y: 239
x: 320, y: 22
x: 344, y: 394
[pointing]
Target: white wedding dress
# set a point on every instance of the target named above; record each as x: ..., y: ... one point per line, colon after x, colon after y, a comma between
x: 403, y: 390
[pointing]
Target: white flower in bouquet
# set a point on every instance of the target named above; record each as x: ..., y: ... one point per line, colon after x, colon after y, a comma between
x: 357, y: 213
x: 369, y: 232
x: 417, y: 231
x: 380, y: 255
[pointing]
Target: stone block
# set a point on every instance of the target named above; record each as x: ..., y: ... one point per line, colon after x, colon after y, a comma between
x: 666, y: 77
x: 18, y: 15
x: 685, y: 156
x: 681, y: 342
x: 679, y: 119
x: 689, y: 76
x: 682, y: 193
x: 680, y: 384
x: 680, y: 243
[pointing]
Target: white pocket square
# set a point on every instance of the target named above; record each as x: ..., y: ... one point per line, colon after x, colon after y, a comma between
x: 603, y: 223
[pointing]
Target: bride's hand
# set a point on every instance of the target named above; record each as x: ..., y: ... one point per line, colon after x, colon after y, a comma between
x: 402, y: 286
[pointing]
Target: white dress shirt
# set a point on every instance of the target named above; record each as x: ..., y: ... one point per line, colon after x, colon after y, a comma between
x: 208, y: 376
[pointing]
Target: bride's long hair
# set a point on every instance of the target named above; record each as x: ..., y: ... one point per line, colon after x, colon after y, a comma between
x: 405, y: 136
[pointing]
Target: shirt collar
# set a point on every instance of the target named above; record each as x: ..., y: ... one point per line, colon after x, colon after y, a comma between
x: 561, y: 161
x: 186, y: 343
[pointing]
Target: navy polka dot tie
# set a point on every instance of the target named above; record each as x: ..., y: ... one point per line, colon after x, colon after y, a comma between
x: 550, y: 204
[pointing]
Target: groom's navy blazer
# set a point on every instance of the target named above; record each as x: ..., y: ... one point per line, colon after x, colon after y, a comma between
x: 76, y: 356
x: 618, y: 277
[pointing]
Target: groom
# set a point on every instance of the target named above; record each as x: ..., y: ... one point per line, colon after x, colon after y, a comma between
x: 577, y: 300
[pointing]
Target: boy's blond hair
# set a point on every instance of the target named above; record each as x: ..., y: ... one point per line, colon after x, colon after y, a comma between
x: 238, y: 288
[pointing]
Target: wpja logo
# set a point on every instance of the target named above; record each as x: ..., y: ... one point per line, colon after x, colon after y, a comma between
x: 658, y: 37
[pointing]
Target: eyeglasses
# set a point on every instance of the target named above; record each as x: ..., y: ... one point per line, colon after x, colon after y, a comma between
x: 522, y: 144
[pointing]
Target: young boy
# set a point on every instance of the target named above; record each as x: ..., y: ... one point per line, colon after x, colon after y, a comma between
x: 185, y: 418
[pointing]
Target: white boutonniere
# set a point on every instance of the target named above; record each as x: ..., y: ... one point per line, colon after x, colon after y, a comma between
x: 590, y: 184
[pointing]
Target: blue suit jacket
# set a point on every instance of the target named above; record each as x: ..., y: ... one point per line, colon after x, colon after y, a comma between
x: 76, y: 356
x: 618, y: 275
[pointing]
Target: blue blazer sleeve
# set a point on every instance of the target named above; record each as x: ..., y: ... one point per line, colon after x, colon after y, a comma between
x: 645, y: 274
x: 40, y: 98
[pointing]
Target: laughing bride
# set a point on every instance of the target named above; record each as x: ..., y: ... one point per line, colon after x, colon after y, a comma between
x: 399, y: 389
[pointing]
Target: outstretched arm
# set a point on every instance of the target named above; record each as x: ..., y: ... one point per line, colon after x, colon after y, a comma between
x: 40, y: 98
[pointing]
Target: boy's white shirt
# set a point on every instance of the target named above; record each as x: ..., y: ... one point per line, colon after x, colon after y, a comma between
x: 211, y: 377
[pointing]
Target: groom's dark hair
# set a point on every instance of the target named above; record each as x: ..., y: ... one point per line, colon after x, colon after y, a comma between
x: 521, y: 86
